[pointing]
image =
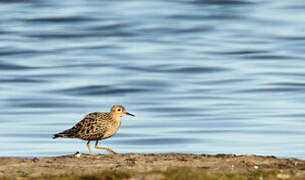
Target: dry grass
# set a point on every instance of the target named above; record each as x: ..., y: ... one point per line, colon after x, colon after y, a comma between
x: 197, y: 174
x: 173, y: 174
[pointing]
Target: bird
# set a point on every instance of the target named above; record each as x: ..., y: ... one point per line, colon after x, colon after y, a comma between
x: 96, y: 126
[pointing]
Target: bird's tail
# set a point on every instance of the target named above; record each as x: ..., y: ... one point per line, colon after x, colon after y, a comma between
x: 70, y: 133
x: 58, y: 135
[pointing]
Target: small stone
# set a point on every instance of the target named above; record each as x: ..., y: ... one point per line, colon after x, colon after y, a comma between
x: 35, y: 160
x: 77, y: 154
x: 283, y: 176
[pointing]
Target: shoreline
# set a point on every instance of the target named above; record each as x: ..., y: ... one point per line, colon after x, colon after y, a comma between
x: 139, y: 164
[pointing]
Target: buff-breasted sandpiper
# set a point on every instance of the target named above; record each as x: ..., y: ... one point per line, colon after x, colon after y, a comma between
x: 96, y: 126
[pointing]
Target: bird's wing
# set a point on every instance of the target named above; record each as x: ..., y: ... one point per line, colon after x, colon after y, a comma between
x: 93, y: 124
x: 77, y: 128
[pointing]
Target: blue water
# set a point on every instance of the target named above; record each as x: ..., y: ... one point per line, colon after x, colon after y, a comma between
x: 202, y: 76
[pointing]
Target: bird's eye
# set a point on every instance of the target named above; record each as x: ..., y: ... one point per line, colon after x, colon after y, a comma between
x: 119, y: 109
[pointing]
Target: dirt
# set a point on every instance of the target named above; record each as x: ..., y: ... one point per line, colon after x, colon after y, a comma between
x: 145, y: 163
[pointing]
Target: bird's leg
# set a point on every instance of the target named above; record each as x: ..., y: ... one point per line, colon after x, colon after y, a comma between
x: 88, y: 146
x: 106, y: 149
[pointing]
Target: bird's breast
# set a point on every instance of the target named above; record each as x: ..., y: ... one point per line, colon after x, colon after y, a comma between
x: 112, y: 128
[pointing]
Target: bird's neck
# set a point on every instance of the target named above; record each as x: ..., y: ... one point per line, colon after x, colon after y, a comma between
x: 116, y: 117
x: 116, y: 120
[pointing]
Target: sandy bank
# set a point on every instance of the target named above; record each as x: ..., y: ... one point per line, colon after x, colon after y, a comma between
x: 147, y: 163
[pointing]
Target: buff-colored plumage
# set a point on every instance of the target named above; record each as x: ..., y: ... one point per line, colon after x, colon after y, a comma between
x: 96, y: 126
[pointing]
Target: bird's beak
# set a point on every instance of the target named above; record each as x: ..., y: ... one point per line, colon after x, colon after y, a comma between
x: 127, y: 113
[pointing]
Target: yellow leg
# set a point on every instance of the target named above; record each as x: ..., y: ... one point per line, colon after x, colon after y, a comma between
x: 88, y: 146
x: 106, y: 149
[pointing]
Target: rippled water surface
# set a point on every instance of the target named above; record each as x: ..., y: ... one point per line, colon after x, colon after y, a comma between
x: 202, y: 76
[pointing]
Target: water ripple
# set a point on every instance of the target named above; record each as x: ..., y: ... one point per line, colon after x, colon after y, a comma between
x: 96, y: 90
x: 197, y: 73
x: 158, y: 141
x: 223, y: 2
x: 191, y: 70
x: 11, y: 66
x: 59, y: 19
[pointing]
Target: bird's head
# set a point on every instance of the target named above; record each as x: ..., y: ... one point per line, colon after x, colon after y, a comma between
x: 120, y: 110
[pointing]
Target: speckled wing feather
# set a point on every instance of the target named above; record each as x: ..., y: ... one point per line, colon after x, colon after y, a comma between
x: 92, y: 127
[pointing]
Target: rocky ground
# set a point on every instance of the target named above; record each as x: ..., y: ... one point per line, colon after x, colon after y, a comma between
x: 153, y: 166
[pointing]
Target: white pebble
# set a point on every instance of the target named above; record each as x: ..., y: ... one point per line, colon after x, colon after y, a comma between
x: 77, y: 154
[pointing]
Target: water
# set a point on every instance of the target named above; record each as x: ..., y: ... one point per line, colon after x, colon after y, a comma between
x: 202, y: 76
